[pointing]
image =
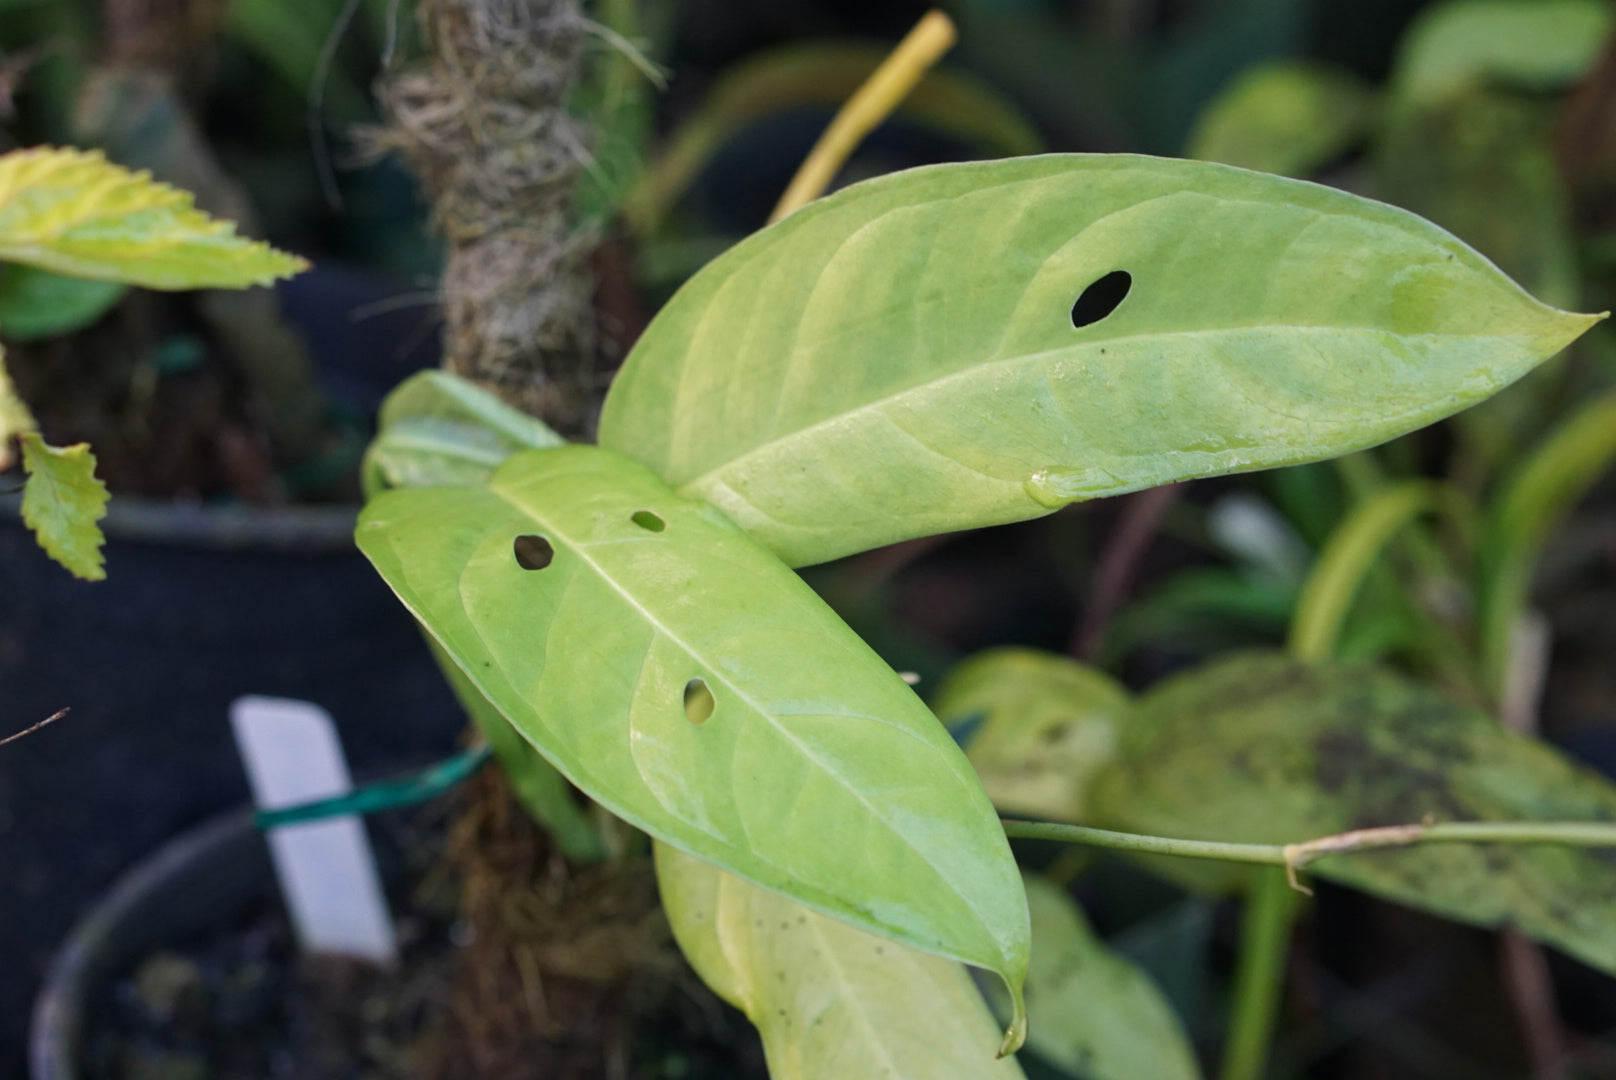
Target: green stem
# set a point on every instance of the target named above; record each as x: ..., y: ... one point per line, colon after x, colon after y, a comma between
x: 1259, y: 976
x: 1300, y: 856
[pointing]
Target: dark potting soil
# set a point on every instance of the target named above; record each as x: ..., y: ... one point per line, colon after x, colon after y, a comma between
x: 240, y: 1002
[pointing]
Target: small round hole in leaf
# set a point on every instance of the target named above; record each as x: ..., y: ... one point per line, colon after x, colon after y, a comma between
x: 698, y: 701
x: 1101, y: 298
x: 533, y: 552
x: 648, y: 521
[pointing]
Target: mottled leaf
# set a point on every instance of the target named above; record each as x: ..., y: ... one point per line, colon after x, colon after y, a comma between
x: 38, y: 304
x: 1092, y: 1011
x: 62, y: 501
x: 75, y: 213
x: 1536, y: 44
x: 1036, y: 726
x: 438, y: 428
x: 685, y: 679
x: 1262, y: 748
x: 829, y: 1000
x: 905, y: 357
x: 1286, y: 117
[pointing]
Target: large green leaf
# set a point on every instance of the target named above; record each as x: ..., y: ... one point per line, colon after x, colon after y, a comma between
x: 62, y: 502
x: 75, y: 213
x: 1036, y: 726
x: 1465, y: 43
x: 829, y: 1001
x: 438, y: 428
x: 901, y: 359
x: 1288, y: 117
x: 684, y: 678
x: 1092, y: 1011
x: 1262, y: 748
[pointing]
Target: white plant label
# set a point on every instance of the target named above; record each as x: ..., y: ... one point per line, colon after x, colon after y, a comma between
x: 326, y: 868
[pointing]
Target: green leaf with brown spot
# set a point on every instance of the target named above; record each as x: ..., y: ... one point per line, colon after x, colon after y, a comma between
x: 62, y: 501
x: 1261, y: 748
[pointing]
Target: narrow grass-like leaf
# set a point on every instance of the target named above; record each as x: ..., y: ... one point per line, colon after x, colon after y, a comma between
x: 963, y: 345
x: 1036, y: 726
x: 75, y: 213
x: 1261, y: 748
x: 62, y: 502
x: 438, y: 428
x: 688, y: 681
x: 829, y: 1000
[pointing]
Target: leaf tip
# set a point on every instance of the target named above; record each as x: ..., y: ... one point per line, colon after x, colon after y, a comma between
x: 1016, y: 1034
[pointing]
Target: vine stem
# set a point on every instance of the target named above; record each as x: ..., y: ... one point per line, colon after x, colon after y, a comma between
x: 1297, y: 857
x: 870, y: 104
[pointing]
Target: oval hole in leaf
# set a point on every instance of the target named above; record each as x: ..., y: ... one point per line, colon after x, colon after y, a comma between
x: 698, y: 701
x: 533, y: 552
x: 1101, y: 298
x: 648, y: 521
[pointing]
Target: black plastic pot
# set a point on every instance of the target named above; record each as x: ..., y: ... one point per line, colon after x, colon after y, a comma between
x: 182, y: 890
x: 198, y: 608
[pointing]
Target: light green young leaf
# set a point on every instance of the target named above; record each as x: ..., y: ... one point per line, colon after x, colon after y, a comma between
x: 438, y: 428
x: 1036, y: 726
x: 1092, y: 1011
x: 1286, y: 117
x: 75, y: 213
x: 829, y: 1000
x: 901, y: 359
x: 15, y: 419
x: 684, y: 678
x: 1262, y: 748
x: 1537, y: 44
x: 38, y: 304
x: 62, y: 501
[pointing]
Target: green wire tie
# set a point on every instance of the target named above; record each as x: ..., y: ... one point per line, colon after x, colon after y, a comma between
x: 408, y: 790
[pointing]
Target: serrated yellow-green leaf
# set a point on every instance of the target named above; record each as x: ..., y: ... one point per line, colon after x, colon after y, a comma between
x: 62, y: 501
x: 829, y: 1000
x: 684, y: 678
x: 75, y: 213
x: 15, y: 419
x: 901, y: 358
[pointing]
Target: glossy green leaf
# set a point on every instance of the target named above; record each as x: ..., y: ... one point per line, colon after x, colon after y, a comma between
x: 900, y: 358
x: 75, y: 213
x: 1285, y: 117
x: 1533, y: 43
x: 1262, y: 748
x: 438, y: 428
x: 62, y: 501
x: 682, y: 677
x: 38, y: 304
x: 1092, y: 1011
x: 829, y: 1000
x: 15, y: 418
x: 1036, y: 726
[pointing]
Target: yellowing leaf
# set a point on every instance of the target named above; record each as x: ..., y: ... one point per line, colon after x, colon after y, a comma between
x: 75, y: 213
x: 1037, y: 726
x: 829, y: 1000
x: 15, y: 419
x: 62, y: 502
